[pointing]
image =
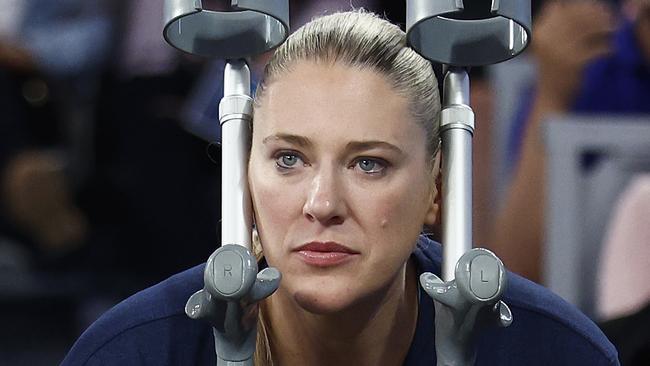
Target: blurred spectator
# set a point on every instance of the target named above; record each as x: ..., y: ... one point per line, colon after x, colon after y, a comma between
x: 588, y: 62
x: 98, y: 178
x: 50, y: 54
x: 44, y: 46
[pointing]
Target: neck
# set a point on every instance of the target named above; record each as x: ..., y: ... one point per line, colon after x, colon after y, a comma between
x: 376, y: 331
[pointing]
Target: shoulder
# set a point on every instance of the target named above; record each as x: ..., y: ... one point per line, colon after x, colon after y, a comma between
x: 545, y: 327
x: 544, y: 318
x: 146, y: 328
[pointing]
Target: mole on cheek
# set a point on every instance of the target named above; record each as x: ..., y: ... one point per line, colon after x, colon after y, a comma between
x: 383, y: 223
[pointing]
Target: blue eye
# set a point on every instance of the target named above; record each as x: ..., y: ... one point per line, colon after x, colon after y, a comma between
x: 287, y: 160
x: 370, y: 166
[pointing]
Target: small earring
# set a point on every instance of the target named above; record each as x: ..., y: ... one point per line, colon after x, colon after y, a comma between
x: 256, y: 244
x: 255, y: 236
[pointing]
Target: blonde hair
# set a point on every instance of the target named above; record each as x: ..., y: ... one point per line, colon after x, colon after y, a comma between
x: 358, y: 39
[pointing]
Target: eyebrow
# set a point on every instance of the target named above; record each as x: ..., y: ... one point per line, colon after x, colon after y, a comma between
x: 352, y: 146
x: 357, y: 146
x: 292, y: 139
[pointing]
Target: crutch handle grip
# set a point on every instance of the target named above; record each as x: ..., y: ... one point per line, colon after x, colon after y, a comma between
x: 228, y: 301
x: 464, y: 305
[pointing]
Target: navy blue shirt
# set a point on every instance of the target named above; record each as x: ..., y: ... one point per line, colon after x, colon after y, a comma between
x: 151, y: 328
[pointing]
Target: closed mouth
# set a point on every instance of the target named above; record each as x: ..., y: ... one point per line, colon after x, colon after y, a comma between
x: 325, y: 247
x: 325, y: 254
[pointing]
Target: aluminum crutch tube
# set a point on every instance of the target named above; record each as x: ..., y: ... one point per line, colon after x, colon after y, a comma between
x: 457, y: 128
x: 235, y: 116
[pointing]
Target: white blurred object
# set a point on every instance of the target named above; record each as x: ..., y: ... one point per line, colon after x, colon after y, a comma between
x: 625, y: 262
x: 11, y: 18
x: 581, y: 196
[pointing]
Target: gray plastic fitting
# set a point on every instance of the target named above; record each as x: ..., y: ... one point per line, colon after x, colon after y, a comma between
x: 434, y: 29
x: 254, y: 28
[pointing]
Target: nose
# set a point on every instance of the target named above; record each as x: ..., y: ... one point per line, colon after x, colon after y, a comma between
x: 325, y: 200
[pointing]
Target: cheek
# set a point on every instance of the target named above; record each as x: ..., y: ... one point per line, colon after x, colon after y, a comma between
x: 273, y: 208
x: 269, y: 199
x: 398, y: 208
x: 398, y: 215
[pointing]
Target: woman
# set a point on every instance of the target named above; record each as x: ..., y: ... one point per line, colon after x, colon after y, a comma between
x: 342, y: 168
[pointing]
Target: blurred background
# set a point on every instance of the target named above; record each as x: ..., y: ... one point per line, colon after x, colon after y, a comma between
x: 110, y: 176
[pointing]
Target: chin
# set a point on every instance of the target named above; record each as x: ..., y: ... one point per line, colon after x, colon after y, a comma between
x: 321, y: 302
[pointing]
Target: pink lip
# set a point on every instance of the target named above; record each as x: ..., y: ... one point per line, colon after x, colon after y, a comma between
x: 325, y: 254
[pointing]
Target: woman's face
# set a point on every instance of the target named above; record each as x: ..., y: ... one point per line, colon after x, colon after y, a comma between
x: 340, y: 182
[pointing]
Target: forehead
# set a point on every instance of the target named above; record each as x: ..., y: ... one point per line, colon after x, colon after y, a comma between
x: 334, y: 100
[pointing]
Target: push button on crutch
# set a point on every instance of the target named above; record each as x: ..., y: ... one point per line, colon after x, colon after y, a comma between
x: 484, y: 276
x: 227, y: 272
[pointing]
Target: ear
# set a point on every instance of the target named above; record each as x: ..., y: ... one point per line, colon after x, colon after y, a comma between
x: 432, y: 216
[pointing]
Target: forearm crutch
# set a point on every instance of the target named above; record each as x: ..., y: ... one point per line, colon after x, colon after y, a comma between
x: 473, y: 280
x: 232, y: 284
